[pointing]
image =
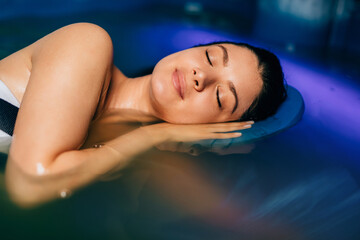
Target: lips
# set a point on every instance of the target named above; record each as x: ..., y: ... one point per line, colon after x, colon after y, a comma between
x: 179, y: 82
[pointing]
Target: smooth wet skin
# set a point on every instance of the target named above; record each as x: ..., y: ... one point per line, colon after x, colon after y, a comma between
x: 71, y: 84
x: 218, y: 83
x: 300, y: 184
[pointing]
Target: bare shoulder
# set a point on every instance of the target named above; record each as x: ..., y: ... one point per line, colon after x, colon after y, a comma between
x: 68, y: 72
x: 82, y: 41
x: 75, y: 37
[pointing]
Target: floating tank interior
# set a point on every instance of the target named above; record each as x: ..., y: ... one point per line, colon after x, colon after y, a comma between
x: 301, y: 183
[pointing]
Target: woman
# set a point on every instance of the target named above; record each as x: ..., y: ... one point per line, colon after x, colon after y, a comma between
x: 69, y: 90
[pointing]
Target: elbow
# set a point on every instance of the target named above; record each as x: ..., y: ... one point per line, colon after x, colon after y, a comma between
x: 23, y: 189
x: 22, y: 197
x: 23, y: 201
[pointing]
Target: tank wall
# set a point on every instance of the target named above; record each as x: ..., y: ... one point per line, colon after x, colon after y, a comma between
x: 324, y: 30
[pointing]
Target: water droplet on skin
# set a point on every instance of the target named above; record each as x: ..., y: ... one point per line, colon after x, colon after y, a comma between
x: 65, y: 193
x: 40, y: 170
x: 98, y: 145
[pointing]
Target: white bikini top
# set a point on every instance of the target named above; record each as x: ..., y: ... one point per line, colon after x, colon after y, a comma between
x: 7, y: 95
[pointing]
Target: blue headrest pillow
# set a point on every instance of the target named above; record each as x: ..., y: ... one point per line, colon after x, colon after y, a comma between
x: 288, y: 114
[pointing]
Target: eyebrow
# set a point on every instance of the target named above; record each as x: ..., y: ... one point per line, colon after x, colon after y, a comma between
x: 232, y: 89
x: 225, y: 55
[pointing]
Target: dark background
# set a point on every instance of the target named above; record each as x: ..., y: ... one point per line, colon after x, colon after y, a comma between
x: 302, y: 183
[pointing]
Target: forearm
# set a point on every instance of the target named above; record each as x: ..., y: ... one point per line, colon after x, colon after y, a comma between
x: 118, y: 151
x: 74, y: 169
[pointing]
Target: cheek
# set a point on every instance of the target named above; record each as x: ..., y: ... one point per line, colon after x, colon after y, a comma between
x: 192, y: 111
x: 157, y: 88
x: 161, y: 85
x: 160, y: 96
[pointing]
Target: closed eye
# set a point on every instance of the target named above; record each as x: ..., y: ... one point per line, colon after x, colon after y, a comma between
x: 208, y: 58
x: 217, y: 97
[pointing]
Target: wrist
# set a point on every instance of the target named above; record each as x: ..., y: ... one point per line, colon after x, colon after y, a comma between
x: 155, y: 133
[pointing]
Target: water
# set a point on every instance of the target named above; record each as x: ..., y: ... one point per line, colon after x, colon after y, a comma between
x: 300, y: 184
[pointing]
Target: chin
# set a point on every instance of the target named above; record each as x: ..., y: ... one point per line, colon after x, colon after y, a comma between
x: 161, y: 101
x: 182, y: 119
x: 163, y: 93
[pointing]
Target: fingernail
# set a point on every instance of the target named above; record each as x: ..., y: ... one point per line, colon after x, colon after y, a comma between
x: 251, y: 122
x: 247, y: 126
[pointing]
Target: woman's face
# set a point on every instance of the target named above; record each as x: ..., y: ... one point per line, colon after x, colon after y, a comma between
x: 215, y: 83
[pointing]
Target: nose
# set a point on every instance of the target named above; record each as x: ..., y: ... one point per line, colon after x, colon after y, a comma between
x: 199, y: 79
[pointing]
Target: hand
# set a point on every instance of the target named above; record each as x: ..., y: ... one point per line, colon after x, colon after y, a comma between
x: 174, y: 134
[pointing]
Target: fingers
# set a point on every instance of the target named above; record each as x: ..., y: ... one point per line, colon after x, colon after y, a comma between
x: 227, y: 124
x: 226, y: 135
x: 219, y: 135
x: 231, y: 128
x: 222, y: 130
x: 188, y: 133
x: 226, y: 130
x: 228, y: 127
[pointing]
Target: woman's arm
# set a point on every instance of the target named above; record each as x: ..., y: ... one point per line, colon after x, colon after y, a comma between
x: 76, y: 168
x: 73, y: 169
x: 69, y: 68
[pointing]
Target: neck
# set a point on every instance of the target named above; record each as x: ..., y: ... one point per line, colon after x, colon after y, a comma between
x: 131, y: 96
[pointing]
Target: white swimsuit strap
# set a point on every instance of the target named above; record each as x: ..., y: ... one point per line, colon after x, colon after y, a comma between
x: 7, y: 95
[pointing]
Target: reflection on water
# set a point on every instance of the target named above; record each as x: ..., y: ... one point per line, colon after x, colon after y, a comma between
x: 168, y: 195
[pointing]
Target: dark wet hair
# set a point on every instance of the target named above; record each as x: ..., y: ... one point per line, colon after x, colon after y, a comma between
x: 273, y: 92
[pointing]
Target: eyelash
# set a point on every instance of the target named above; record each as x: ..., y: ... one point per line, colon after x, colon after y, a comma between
x: 217, y: 97
x: 208, y: 58
x: 217, y: 90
